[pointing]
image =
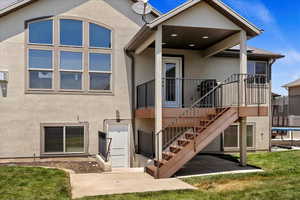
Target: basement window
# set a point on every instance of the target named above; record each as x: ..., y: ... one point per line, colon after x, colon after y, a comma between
x: 64, y: 139
x: 231, y: 136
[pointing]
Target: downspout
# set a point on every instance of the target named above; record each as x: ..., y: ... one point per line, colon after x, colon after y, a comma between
x: 271, y: 62
x: 130, y: 54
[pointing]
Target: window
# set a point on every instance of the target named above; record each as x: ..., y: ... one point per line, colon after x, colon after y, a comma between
x: 71, y: 32
x: 54, y: 139
x: 100, y: 71
x: 259, y: 70
x: 64, y: 139
x: 99, y: 36
x: 72, y: 64
x: 41, y: 32
x: 40, y: 69
x: 71, y: 70
x: 250, y: 138
x: 231, y: 136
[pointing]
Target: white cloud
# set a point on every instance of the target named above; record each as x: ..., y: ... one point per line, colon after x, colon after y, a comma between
x: 258, y: 12
x: 253, y: 9
x: 292, y: 56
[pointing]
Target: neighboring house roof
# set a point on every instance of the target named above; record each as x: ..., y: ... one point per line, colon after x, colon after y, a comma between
x: 275, y: 94
x: 253, y: 52
x: 295, y: 83
x: 8, y: 6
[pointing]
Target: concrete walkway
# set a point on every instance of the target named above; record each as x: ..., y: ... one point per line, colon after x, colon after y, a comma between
x: 121, y: 182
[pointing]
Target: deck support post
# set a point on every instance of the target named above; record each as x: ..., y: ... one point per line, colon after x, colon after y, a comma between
x: 243, y: 102
x: 243, y: 141
x: 158, y: 92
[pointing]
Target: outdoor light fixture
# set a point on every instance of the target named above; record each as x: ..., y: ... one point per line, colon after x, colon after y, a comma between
x: 192, y: 45
x: 174, y: 35
x: 205, y: 37
x: 3, y: 76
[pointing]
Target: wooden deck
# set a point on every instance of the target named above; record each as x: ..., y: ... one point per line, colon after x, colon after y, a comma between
x: 249, y: 111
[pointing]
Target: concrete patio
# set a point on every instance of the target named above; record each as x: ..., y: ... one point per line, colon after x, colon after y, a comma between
x: 120, y: 182
x: 202, y: 165
x: 134, y: 180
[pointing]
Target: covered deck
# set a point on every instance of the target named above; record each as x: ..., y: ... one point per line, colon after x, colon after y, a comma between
x: 177, y: 76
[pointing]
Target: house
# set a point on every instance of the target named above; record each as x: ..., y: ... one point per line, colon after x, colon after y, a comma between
x: 280, y: 110
x: 280, y: 115
x: 293, y: 102
x: 84, y: 77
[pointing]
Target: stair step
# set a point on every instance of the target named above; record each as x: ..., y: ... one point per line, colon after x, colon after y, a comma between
x: 211, y: 116
x: 151, y: 170
x: 160, y: 162
x: 205, y: 120
x: 175, y: 149
x: 183, y: 142
x: 167, y: 155
x: 198, y: 129
x: 190, y: 135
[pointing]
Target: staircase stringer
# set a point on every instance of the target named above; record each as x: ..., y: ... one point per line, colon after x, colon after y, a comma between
x: 205, y: 138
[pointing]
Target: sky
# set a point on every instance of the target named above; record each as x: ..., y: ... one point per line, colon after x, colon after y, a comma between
x: 280, y: 20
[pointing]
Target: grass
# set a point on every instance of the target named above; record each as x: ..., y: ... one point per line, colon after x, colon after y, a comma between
x: 281, y: 180
x: 33, y: 183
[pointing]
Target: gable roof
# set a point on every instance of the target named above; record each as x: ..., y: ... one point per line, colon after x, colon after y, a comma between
x: 147, y: 29
x: 292, y: 84
x: 251, y: 29
x: 8, y: 6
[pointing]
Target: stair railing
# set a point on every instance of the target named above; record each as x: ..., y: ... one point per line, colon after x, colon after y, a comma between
x: 236, y: 90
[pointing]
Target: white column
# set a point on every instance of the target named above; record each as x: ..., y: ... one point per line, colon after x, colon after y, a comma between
x: 243, y: 120
x: 243, y: 66
x: 158, y: 92
x: 243, y: 52
x: 243, y: 141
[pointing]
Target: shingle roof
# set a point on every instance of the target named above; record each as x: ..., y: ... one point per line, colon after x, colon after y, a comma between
x: 6, y: 3
x: 292, y: 84
x: 253, y: 52
x: 6, y: 6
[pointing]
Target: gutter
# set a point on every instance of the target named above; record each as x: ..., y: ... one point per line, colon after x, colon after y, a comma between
x: 271, y: 62
x: 130, y: 54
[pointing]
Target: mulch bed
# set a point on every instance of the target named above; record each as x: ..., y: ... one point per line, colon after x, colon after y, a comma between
x: 79, y: 167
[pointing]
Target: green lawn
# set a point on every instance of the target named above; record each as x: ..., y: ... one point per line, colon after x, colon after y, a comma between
x: 29, y: 183
x: 280, y: 181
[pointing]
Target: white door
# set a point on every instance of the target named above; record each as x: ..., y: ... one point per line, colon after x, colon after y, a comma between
x: 119, y: 154
x: 172, y: 82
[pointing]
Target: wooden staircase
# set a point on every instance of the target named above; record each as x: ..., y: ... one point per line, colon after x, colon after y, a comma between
x: 191, y: 142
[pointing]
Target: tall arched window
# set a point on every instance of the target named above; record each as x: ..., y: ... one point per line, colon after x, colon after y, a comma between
x: 69, y: 55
